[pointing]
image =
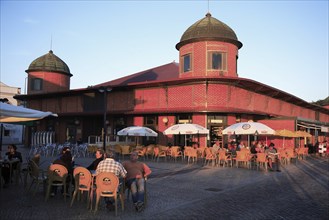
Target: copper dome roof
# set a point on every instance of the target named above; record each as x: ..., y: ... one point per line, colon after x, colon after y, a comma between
x: 208, y: 28
x: 49, y: 63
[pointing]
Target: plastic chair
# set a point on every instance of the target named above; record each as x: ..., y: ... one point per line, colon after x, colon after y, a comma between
x: 107, y: 185
x: 209, y: 157
x: 223, y: 158
x: 125, y: 150
x: 57, y: 175
x: 192, y: 154
x: 176, y: 152
x: 261, y: 160
x: 37, y: 175
x: 242, y: 156
x: 83, y: 182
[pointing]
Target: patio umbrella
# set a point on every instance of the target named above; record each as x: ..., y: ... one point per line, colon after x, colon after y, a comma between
x: 186, y: 129
x: 12, y: 113
x: 248, y: 128
x: 303, y: 134
x: 137, y: 131
x: 285, y: 133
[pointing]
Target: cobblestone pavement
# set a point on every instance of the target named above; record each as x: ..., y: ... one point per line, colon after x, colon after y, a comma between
x: 182, y: 191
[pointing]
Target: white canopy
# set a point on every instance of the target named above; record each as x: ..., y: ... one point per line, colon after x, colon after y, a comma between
x: 137, y: 131
x: 248, y: 128
x: 186, y: 129
x: 12, y: 113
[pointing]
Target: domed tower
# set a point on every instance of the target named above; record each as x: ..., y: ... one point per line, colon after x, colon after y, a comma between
x: 48, y: 73
x: 208, y: 48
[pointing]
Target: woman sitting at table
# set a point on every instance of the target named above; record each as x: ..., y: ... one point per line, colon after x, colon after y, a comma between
x: 99, y: 157
x: 10, y: 155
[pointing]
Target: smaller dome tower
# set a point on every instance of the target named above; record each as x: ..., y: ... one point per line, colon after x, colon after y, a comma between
x: 208, y: 48
x: 48, y: 73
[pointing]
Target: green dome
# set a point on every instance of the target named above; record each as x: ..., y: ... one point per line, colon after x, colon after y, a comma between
x: 49, y: 63
x: 209, y: 28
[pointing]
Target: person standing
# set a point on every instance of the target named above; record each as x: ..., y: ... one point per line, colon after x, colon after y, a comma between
x: 137, y: 172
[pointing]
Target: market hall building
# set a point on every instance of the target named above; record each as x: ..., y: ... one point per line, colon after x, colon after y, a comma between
x: 203, y: 88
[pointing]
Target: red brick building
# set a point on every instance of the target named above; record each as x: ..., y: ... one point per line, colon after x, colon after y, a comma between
x: 203, y: 88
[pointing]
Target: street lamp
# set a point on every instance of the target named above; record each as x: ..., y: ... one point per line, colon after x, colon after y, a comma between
x: 104, y: 90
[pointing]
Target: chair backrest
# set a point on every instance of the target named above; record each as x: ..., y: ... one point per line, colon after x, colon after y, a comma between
x: 261, y: 157
x: 33, y: 169
x: 107, y: 184
x: 241, y: 155
x: 175, y: 151
x: 193, y: 152
x: 125, y: 149
x: 222, y: 155
x: 57, y: 172
x: 82, y: 177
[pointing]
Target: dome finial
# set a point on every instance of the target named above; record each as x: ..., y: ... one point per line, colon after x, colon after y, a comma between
x: 208, y: 14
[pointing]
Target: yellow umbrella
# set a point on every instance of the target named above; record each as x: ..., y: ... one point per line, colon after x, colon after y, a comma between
x: 285, y: 133
x: 303, y: 134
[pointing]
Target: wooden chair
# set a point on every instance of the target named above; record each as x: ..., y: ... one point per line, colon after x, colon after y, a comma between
x: 57, y: 175
x: 107, y: 185
x: 83, y: 183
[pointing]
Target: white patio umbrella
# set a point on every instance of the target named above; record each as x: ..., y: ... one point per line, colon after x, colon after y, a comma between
x: 186, y: 129
x: 137, y: 131
x: 12, y: 113
x: 248, y: 128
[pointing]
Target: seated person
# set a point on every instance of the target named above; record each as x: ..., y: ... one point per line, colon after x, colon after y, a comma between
x: 272, y: 156
x: 99, y: 157
x: 67, y: 161
x: 11, y: 154
x: 135, y: 180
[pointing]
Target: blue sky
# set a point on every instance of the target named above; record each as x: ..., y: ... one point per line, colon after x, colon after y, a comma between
x: 285, y: 43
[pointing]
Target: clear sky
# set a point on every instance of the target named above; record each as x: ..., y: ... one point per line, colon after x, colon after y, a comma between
x: 285, y: 43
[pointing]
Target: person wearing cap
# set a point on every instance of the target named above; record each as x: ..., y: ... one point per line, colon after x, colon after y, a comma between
x: 137, y: 172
